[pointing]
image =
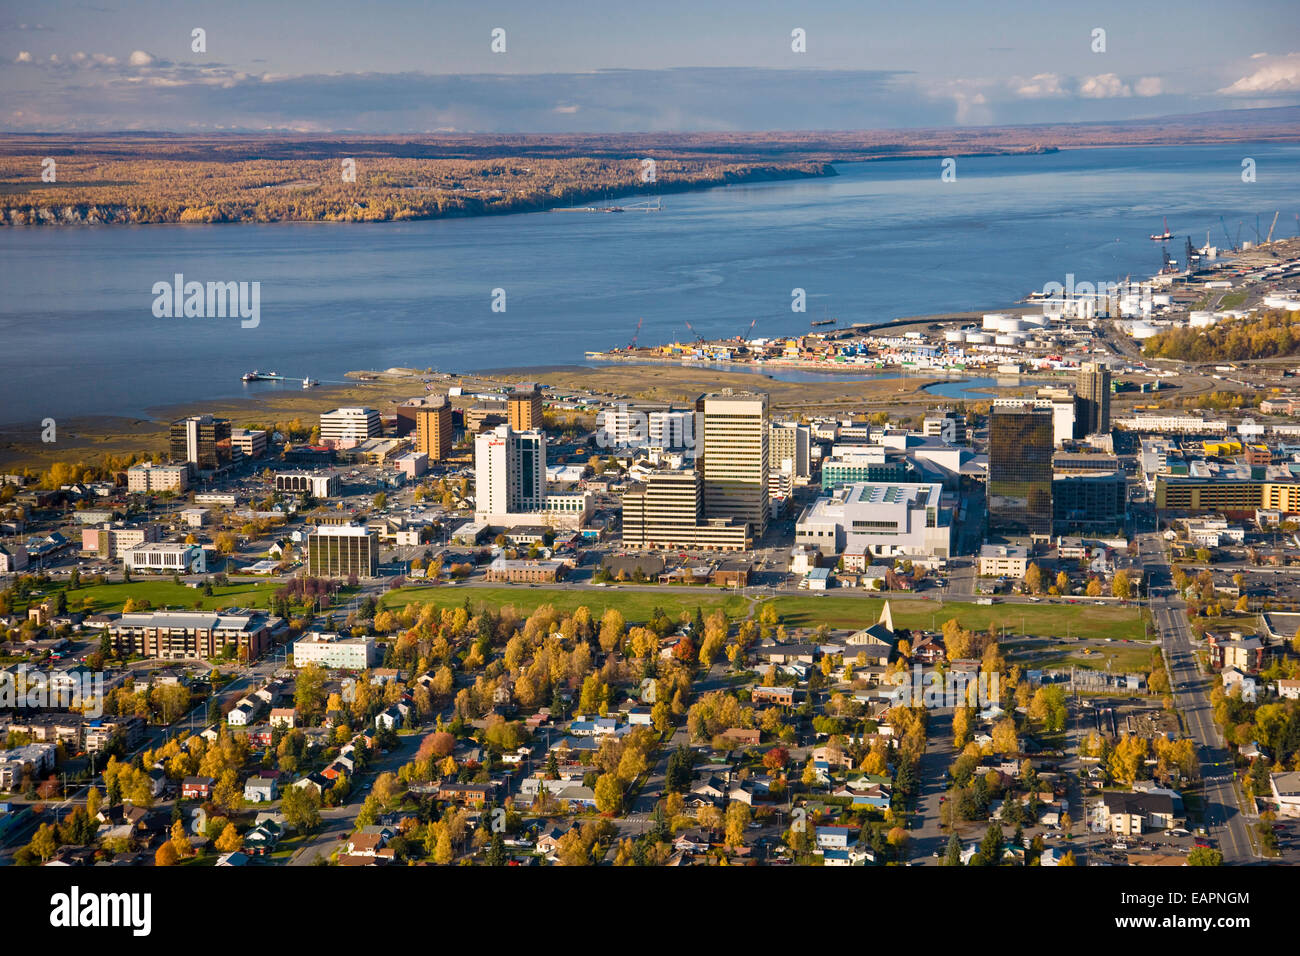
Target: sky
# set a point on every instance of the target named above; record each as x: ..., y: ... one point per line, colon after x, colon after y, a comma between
x: 618, y: 66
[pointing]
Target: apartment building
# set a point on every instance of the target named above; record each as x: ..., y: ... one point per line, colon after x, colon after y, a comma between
x: 334, y: 651
x: 524, y: 408
x: 182, y: 635
x: 147, y: 477
x: 433, y: 428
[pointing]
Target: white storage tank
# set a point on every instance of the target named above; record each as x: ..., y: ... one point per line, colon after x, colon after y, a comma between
x: 1200, y: 319
x: 954, y: 335
x: 978, y: 338
x: 1143, y: 330
x: 1162, y: 300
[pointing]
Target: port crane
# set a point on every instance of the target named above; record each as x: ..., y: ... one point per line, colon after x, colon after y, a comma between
x: 637, y: 334
x: 1166, y: 235
x: 746, y: 333
x: 1225, y: 232
x: 691, y: 329
x: 1272, y: 227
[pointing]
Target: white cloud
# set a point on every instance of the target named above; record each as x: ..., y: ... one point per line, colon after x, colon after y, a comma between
x: 24, y: 57
x: 1272, y: 74
x: 1149, y: 86
x: 140, y: 58
x: 566, y: 109
x: 1104, y: 86
x: 1039, y: 85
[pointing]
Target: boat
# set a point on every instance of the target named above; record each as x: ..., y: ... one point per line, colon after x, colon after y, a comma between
x: 817, y: 322
x: 309, y: 383
x: 1167, y: 234
x: 256, y: 376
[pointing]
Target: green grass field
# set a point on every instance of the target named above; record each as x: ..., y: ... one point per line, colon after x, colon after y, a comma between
x: 111, y: 597
x: 1118, y: 658
x: 1039, y: 619
x: 636, y: 606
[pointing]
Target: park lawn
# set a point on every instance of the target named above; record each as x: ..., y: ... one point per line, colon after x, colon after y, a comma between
x: 1121, y: 658
x: 844, y: 612
x: 635, y: 606
x: 164, y: 593
x: 1038, y: 619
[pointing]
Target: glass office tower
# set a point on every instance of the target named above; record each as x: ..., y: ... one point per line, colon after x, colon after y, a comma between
x: 1020, y: 471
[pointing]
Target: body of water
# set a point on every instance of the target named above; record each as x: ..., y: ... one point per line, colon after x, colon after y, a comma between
x: 879, y: 241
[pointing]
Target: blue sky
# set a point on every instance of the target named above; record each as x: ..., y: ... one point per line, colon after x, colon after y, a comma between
x: 628, y: 66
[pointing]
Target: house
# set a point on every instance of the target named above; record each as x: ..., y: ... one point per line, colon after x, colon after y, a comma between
x: 262, y: 839
x: 233, y: 859
x: 712, y: 789
x: 393, y: 718
x: 283, y: 717
x: 242, y: 714
x: 742, y: 737
x: 1126, y: 814
x: 867, y: 790
x: 197, y: 788
x: 782, y: 696
x: 1288, y: 689
x: 368, y: 841
x: 847, y: 857
x: 834, y: 837
x: 467, y: 792
x: 694, y: 840
x: 260, y: 789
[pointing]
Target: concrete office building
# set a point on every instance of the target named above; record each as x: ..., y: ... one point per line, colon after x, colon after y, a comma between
x: 110, y: 541
x: 433, y: 432
x: 348, y: 427
x: 162, y: 557
x: 882, y: 520
x: 337, y: 551
x: 251, y: 443
x: 524, y: 408
x: 334, y: 651
x: 203, y: 441
x: 666, y: 511
x: 1092, y: 385
x: 1020, y: 470
x: 733, y: 457
x: 307, y: 483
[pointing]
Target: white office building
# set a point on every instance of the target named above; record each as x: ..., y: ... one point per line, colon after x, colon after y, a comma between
x: 895, y: 519
x: 166, y: 558
x: 349, y: 427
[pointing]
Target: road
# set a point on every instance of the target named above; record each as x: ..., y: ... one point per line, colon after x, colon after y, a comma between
x: 1223, y: 818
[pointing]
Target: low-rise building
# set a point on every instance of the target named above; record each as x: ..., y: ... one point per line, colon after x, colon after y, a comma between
x: 334, y: 651
x: 1003, y: 560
